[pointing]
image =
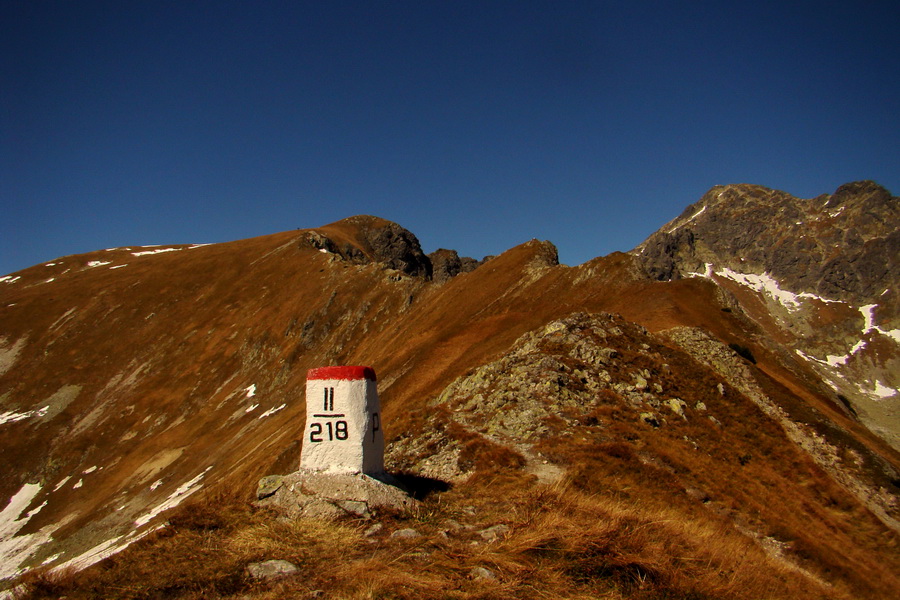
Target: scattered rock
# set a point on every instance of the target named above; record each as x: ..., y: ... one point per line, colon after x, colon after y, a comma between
x: 640, y: 384
x: 373, y: 530
x: 268, y: 485
x: 697, y: 494
x: 650, y: 419
x: 677, y: 406
x: 405, y: 534
x: 492, y: 534
x: 272, y: 569
x: 482, y: 573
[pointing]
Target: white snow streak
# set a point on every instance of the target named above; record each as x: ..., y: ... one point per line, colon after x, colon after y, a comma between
x: 16, y: 549
x: 12, y: 416
x: 101, y: 551
x: 868, y: 313
x: 158, y: 251
x: 691, y: 218
x: 174, y: 499
x: 251, y: 390
x: 271, y: 411
x: 98, y: 263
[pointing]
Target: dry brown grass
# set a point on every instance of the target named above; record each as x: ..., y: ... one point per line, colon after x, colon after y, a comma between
x: 561, y: 542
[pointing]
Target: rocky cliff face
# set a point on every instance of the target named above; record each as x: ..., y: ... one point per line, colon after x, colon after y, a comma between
x: 826, y: 269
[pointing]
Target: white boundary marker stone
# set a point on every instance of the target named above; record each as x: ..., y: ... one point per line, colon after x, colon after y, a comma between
x: 343, y: 422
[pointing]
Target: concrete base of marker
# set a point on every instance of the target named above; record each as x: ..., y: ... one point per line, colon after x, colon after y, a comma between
x: 316, y: 494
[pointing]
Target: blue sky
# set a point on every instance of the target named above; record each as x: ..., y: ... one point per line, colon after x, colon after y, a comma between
x: 476, y: 125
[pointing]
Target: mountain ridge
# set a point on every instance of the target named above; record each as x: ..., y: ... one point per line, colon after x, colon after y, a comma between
x: 169, y: 370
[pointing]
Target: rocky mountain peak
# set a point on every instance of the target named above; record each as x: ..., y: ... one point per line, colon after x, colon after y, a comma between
x: 826, y: 269
x: 834, y: 246
x: 866, y: 192
x: 364, y: 238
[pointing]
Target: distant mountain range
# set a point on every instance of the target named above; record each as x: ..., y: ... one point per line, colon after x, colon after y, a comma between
x: 739, y: 367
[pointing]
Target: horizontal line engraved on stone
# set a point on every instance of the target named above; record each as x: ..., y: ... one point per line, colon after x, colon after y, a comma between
x: 329, y: 416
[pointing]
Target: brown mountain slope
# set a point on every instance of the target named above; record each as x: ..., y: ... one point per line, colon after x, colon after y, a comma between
x: 131, y: 378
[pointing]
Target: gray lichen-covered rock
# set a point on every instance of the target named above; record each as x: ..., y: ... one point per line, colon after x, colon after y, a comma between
x: 405, y: 534
x: 272, y: 569
x: 562, y: 369
x: 268, y: 486
x: 330, y: 496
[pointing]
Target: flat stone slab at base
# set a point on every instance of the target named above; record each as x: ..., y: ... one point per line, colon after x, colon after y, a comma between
x: 329, y: 495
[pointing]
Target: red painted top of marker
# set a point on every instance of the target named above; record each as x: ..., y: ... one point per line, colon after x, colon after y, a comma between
x: 341, y: 373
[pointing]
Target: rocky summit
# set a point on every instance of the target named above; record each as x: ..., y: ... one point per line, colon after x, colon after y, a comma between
x: 826, y: 268
x: 711, y: 415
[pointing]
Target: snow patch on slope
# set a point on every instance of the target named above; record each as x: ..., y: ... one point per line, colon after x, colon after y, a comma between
x: 765, y: 284
x: 16, y: 549
x: 769, y: 286
x: 174, y: 499
x: 157, y: 251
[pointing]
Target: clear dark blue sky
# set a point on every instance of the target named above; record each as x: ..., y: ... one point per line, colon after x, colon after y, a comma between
x: 476, y: 125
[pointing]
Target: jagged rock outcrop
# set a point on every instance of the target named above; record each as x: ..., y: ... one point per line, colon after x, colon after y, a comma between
x: 396, y: 247
x: 447, y: 264
x: 374, y: 240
